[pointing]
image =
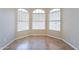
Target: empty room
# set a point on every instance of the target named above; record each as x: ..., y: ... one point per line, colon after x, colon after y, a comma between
x: 39, y: 28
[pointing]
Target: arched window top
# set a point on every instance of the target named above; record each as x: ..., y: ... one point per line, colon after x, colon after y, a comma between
x: 38, y: 11
x: 23, y: 15
x: 22, y: 10
x: 54, y: 10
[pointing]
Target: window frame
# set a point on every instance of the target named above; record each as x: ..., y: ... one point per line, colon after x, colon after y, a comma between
x: 57, y: 20
x: 38, y: 11
x: 25, y: 21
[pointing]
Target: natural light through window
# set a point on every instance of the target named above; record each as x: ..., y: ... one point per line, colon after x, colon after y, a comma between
x: 38, y: 19
x: 23, y: 20
x: 54, y: 19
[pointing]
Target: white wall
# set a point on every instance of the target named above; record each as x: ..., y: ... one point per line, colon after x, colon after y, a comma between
x: 7, y: 25
x: 71, y: 26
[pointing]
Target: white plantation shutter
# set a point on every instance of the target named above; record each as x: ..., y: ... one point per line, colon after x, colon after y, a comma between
x: 38, y: 20
x: 23, y: 20
x: 54, y: 20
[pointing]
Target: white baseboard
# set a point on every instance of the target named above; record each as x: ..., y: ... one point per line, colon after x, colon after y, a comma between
x: 54, y: 36
x: 12, y: 41
x: 7, y: 44
x: 64, y: 41
x: 70, y: 44
x: 51, y: 36
x: 22, y: 37
x: 40, y: 34
x: 29, y: 35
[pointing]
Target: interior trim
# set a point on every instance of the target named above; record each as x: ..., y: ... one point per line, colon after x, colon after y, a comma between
x: 38, y: 35
x: 65, y: 42
x: 7, y: 44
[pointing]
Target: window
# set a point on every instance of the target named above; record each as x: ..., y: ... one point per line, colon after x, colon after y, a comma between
x: 23, y: 20
x: 38, y: 21
x: 54, y: 20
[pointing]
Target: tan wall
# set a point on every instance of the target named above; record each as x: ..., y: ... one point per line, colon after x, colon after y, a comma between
x: 38, y: 32
x: 22, y: 34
